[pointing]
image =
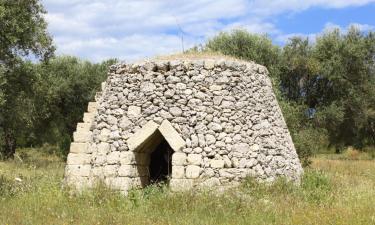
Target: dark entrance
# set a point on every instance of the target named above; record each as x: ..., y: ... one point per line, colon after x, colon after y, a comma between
x: 160, y: 168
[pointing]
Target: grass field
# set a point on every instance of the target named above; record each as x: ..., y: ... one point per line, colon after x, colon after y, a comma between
x: 333, y: 191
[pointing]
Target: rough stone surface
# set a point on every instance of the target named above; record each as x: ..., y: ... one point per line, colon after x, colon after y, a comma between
x: 220, y: 118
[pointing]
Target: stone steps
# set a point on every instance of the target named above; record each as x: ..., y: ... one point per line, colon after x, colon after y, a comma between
x: 78, y: 165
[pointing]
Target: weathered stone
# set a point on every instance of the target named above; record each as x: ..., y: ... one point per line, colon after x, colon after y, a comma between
x: 92, y: 106
x: 134, y: 111
x: 113, y: 157
x: 110, y: 170
x: 217, y: 163
x: 83, y: 127
x: 88, y: 117
x: 194, y: 159
x: 178, y: 159
x: 82, y: 137
x: 119, y: 183
x: 77, y: 170
x: 79, y: 148
x: 181, y: 184
x: 142, y: 135
x: 78, y: 159
x: 192, y: 171
x: 178, y: 172
x: 175, y: 111
x: 171, y: 136
x: 125, y: 123
x: 215, y: 127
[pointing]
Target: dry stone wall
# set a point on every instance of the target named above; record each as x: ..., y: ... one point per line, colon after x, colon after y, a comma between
x: 220, y: 117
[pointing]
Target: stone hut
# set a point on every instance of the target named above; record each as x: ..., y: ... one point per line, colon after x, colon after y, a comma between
x: 188, y: 122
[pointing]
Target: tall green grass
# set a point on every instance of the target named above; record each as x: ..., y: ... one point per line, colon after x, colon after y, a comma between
x: 328, y: 194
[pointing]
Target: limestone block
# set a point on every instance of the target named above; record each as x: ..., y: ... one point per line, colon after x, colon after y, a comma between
x: 132, y: 171
x: 119, y: 183
x: 83, y: 127
x: 171, y: 136
x: 178, y: 172
x: 137, y: 139
x: 113, y: 157
x: 97, y: 172
x: 192, y: 171
x: 181, y: 184
x: 104, y: 135
x: 88, y: 117
x: 78, y: 182
x: 92, y: 106
x: 78, y: 159
x: 210, y: 182
x: 217, y: 163
x: 110, y: 170
x: 78, y: 170
x: 79, y: 147
x: 127, y: 158
x: 82, y: 137
x: 194, y: 159
x: 103, y: 148
x: 178, y: 159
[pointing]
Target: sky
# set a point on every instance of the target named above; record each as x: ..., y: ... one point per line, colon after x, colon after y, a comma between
x: 131, y: 30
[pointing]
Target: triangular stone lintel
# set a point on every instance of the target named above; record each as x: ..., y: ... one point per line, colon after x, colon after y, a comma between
x: 149, y: 135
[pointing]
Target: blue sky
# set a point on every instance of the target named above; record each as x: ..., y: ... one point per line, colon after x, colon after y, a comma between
x: 137, y: 29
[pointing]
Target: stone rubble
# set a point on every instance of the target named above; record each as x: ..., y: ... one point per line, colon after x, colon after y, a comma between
x: 223, y: 115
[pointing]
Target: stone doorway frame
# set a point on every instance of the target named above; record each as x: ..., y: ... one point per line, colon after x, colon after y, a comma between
x: 145, y: 141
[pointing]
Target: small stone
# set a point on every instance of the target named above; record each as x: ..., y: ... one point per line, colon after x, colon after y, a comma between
x: 169, y: 93
x: 194, y: 159
x: 175, y: 111
x: 216, y: 88
x: 210, y: 139
x: 134, y: 111
x: 194, y: 141
x: 215, y: 127
x: 125, y: 123
x: 227, y: 162
x: 217, y: 163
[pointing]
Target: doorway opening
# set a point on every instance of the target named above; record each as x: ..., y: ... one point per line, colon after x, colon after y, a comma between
x: 154, y: 146
x: 160, y: 168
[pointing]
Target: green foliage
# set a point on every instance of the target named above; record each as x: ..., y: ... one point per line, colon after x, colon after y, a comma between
x: 23, y: 32
x: 66, y: 85
x: 347, y: 62
x: 243, y: 45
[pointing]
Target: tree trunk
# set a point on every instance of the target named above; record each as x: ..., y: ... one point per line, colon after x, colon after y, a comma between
x: 9, y: 147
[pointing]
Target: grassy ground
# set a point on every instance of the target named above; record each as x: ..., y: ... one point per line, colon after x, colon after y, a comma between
x: 333, y: 191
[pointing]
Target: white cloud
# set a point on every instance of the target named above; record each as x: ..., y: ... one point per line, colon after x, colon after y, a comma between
x: 283, y: 38
x: 275, y: 7
x: 131, y: 29
x: 361, y: 27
